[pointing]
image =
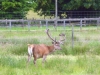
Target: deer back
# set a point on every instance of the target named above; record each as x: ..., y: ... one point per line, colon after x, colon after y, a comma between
x: 39, y: 50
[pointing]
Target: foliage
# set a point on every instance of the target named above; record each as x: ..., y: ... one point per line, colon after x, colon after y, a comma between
x: 14, y: 8
x: 83, y: 5
x: 45, y: 7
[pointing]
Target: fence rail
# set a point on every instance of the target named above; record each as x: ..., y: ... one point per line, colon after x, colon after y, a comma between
x: 46, y: 22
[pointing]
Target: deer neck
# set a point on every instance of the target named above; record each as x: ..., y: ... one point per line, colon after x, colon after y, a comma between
x: 51, y: 48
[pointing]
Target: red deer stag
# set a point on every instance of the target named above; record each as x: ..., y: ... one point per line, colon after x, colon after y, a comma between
x: 42, y: 50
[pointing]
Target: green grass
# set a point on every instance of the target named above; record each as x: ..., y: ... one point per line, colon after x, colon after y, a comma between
x: 36, y: 27
x: 59, y: 65
x: 83, y: 59
x: 33, y: 15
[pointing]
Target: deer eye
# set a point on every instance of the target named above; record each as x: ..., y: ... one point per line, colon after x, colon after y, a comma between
x: 57, y: 42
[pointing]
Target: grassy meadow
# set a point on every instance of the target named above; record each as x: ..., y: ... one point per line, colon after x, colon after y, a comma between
x: 83, y: 59
x: 34, y: 15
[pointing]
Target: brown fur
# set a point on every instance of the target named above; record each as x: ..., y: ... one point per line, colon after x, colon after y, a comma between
x: 40, y: 51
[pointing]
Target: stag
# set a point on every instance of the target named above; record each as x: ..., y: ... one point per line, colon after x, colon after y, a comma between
x: 42, y: 50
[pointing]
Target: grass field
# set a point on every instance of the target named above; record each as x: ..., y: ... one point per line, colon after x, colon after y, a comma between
x: 32, y: 28
x: 33, y: 15
x: 83, y: 59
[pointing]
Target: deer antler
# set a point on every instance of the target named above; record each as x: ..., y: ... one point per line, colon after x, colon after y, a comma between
x: 50, y: 36
x: 62, y: 35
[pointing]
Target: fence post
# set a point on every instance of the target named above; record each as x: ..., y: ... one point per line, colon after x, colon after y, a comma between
x: 34, y: 22
x: 81, y: 24
x: 6, y: 22
x: 55, y: 24
x: 98, y: 23
x: 28, y: 25
x: 84, y: 21
x: 22, y: 23
x: 64, y: 25
x: 40, y: 23
x: 72, y: 36
x: 46, y: 24
x: 10, y: 24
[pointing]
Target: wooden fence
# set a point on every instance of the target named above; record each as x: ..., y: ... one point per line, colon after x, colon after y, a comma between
x: 46, y: 22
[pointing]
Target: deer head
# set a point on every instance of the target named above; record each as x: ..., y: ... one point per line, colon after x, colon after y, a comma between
x: 57, y: 44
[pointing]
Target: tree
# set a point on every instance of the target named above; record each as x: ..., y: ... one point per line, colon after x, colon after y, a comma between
x: 14, y: 8
x: 47, y: 7
x: 82, y: 5
x: 43, y: 7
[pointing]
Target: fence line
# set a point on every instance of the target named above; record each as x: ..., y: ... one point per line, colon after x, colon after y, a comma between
x: 63, y: 22
x: 61, y: 14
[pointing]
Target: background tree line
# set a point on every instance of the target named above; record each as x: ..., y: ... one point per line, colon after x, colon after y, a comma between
x: 19, y: 8
x: 13, y: 9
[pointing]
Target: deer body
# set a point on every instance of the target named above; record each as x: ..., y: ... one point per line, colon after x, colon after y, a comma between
x: 40, y: 51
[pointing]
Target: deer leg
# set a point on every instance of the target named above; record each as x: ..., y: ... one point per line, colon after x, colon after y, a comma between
x: 44, y: 58
x: 29, y: 57
x: 34, y: 60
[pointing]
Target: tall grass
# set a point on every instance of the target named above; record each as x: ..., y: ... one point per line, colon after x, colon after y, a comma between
x: 84, y: 42
x: 80, y: 65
